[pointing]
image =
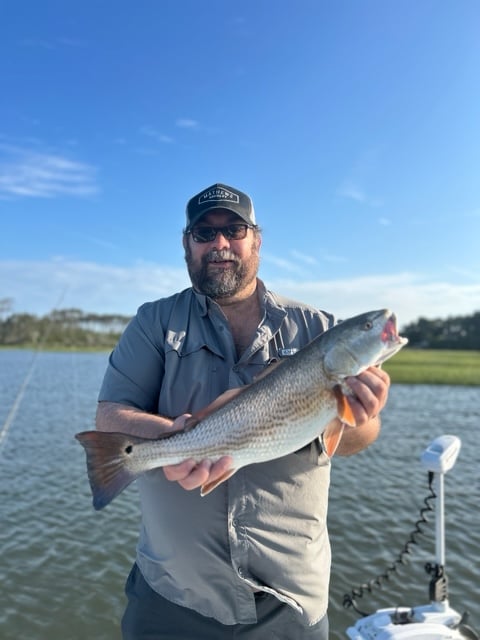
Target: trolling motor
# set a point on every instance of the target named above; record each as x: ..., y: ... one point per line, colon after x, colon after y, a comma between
x: 437, y: 620
x: 438, y: 458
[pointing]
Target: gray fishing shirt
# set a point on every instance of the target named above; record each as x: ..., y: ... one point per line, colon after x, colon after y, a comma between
x: 265, y: 528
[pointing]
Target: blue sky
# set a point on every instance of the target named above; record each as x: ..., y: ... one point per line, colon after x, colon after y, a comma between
x: 354, y: 126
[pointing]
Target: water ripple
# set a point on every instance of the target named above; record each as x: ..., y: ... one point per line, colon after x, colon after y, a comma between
x: 65, y: 565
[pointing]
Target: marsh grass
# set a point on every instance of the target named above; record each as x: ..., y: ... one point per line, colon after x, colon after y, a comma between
x: 409, y: 366
x: 434, y: 366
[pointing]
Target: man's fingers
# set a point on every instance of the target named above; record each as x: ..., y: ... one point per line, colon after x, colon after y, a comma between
x: 191, y: 475
x: 198, y: 476
x: 370, y: 390
x: 177, y: 472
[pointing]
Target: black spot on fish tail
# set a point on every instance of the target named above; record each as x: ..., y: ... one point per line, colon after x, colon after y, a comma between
x: 107, y: 456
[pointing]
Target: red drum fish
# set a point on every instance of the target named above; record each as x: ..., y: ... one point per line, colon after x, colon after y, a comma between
x: 282, y: 411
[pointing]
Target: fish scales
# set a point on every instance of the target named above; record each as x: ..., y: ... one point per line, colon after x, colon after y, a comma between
x: 291, y: 408
x: 279, y: 413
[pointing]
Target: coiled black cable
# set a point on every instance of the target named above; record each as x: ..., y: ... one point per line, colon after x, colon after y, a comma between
x: 349, y: 599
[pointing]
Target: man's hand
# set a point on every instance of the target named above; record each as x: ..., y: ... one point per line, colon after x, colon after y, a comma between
x: 191, y: 475
x: 370, y: 390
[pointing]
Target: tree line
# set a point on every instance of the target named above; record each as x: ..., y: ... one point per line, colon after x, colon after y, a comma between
x: 66, y: 328
x: 456, y: 332
x: 74, y: 328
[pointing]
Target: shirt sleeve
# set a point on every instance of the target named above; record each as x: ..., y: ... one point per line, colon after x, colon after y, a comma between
x: 136, y: 366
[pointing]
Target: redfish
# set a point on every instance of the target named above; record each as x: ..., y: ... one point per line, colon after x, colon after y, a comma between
x: 282, y: 411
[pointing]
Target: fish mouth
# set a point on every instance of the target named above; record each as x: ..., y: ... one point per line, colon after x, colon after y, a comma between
x: 390, y: 331
x: 391, y: 339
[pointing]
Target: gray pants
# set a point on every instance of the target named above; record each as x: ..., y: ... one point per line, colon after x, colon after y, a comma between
x: 149, y: 616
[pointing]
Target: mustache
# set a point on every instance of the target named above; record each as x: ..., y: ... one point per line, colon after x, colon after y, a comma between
x: 219, y: 256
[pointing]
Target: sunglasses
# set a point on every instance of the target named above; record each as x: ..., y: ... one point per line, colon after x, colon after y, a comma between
x: 230, y: 232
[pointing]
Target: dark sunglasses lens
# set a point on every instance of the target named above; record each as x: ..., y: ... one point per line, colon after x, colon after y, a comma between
x: 204, y: 234
x: 235, y: 231
x: 231, y: 232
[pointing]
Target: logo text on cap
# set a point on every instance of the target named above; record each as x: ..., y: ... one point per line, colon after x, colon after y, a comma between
x: 218, y: 194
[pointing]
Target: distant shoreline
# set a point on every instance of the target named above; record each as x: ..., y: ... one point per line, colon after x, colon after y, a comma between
x: 409, y: 366
x: 55, y: 348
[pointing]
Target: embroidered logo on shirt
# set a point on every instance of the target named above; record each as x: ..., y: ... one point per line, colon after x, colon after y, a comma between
x: 175, y: 339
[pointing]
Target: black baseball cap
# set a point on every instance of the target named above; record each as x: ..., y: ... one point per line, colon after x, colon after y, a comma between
x: 220, y: 196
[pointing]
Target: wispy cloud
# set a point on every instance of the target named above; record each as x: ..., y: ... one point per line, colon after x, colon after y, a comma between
x: 37, y: 43
x: 467, y: 274
x: 333, y: 258
x: 158, y: 136
x: 290, y: 266
x: 360, y: 174
x: 409, y: 295
x: 385, y: 222
x: 302, y: 257
x: 301, y: 263
x: 25, y: 172
x: 186, y: 123
x: 353, y: 191
x: 99, y: 242
x: 68, y: 41
x: 36, y: 286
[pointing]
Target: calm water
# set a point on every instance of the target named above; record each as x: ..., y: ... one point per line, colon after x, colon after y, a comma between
x: 62, y: 565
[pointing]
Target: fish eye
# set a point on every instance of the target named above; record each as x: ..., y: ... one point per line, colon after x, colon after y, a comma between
x: 368, y: 325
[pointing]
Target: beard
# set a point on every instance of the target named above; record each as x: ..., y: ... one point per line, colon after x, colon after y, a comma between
x: 225, y: 282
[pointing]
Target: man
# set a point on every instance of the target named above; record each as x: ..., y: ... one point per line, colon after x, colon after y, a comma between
x: 252, y: 558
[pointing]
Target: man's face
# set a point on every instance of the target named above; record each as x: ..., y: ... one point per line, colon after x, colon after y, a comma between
x: 222, y: 268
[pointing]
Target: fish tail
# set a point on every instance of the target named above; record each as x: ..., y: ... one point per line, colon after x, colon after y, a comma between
x: 107, y: 463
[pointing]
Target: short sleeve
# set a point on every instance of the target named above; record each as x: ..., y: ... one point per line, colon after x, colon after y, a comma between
x: 136, y: 366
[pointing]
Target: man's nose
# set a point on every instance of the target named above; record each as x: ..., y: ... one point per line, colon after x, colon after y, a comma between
x: 220, y: 241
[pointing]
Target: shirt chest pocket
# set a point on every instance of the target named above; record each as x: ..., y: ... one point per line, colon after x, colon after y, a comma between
x: 193, y: 376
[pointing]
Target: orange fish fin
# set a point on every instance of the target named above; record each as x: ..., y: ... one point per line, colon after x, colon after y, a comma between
x: 210, y: 486
x: 332, y: 436
x: 219, y: 402
x: 344, y: 408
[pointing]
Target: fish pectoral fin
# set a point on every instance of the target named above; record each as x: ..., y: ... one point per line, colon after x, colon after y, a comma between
x: 344, y: 408
x: 222, y: 399
x: 210, y: 486
x: 332, y: 436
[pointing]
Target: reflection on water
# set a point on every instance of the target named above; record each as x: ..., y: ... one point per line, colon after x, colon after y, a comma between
x: 63, y: 565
